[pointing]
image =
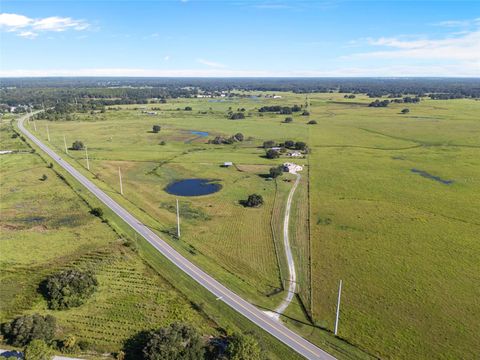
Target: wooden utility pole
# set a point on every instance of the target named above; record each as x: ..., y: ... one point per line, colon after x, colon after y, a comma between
x: 338, y: 306
x: 65, y: 143
x: 48, y: 134
x: 120, y: 178
x: 35, y: 125
x: 178, y: 221
x: 86, y: 157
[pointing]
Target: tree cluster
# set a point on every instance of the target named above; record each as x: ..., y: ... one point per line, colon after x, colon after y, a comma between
x: 77, y: 145
x: 237, y: 116
x: 253, y: 200
x: 280, y: 109
x: 69, y: 288
x: 156, y: 128
x: 218, y: 140
x: 378, y: 103
x: 22, y: 330
x: 276, y: 171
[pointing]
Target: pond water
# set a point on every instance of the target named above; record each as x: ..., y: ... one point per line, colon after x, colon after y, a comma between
x: 199, y: 133
x: 193, y: 187
x: 432, y: 177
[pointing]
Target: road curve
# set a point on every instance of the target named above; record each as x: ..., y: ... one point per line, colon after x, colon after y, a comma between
x: 258, y: 317
x: 292, y: 275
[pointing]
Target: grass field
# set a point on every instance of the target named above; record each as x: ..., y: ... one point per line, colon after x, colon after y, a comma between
x: 404, y: 242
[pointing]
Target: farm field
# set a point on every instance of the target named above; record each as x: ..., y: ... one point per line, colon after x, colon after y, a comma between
x: 389, y: 204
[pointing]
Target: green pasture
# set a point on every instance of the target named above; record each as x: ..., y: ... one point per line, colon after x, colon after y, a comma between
x: 405, y: 245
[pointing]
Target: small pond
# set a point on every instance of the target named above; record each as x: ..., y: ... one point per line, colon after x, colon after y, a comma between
x: 432, y: 177
x: 193, y: 187
x: 199, y: 133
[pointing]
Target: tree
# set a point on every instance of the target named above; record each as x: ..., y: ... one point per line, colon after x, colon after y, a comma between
x: 243, y: 347
x: 175, y: 342
x: 289, y: 144
x: 268, y: 144
x: 24, y: 329
x: 237, y: 116
x: 272, y: 154
x: 77, y: 145
x: 276, y: 171
x: 37, y: 350
x: 188, y: 108
x: 305, y: 113
x: 253, y: 200
x: 288, y: 120
x: 239, y: 136
x: 405, y: 111
x: 69, y: 288
x: 312, y: 122
x: 156, y: 128
x: 300, y: 145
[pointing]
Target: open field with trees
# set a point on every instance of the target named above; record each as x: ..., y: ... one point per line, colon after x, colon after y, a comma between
x: 387, y: 203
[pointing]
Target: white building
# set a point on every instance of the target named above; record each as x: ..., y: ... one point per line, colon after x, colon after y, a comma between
x: 292, y: 168
x: 294, y: 154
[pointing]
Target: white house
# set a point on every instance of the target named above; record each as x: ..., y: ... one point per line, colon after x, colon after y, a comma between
x: 292, y: 168
x: 227, y: 164
x: 294, y: 154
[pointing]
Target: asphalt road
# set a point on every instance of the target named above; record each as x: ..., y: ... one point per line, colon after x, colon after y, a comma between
x: 272, y: 326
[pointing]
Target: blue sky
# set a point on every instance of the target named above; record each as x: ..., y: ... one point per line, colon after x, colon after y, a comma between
x: 240, y: 38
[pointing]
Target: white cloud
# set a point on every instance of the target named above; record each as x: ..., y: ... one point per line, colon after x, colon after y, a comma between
x: 469, y: 69
x: 212, y: 64
x: 29, y: 28
x: 461, y: 47
x: 28, y: 34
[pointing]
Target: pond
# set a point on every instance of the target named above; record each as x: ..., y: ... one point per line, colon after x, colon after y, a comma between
x: 432, y: 177
x: 199, y: 133
x: 193, y: 187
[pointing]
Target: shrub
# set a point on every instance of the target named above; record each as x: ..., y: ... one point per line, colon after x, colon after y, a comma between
x: 305, y: 113
x: 177, y: 341
x: 156, y: 128
x: 312, y: 122
x: 97, y: 212
x: 405, y: 111
x: 163, y: 142
x: 272, y: 154
x: 288, y: 120
x: 188, y: 108
x: 24, y: 329
x: 77, y: 145
x: 37, y: 350
x: 69, y: 288
x: 300, y: 145
x: 289, y: 144
x: 243, y: 347
x: 253, y: 200
x: 44, y: 177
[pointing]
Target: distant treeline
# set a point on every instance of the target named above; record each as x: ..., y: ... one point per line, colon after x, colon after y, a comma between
x: 116, y: 91
x: 280, y: 109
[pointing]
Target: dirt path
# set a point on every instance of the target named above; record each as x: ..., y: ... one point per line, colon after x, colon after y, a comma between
x: 292, y: 275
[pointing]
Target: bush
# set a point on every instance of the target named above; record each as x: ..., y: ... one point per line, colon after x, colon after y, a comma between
x: 288, y: 120
x: 24, y: 329
x: 97, y: 212
x: 69, y: 288
x: 243, y: 347
x: 177, y: 341
x: 44, y: 177
x: 305, y: 113
x: 163, y: 142
x: 253, y: 200
x: 312, y: 122
x: 188, y: 108
x: 405, y: 111
x: 300, y: 145
x: 37, y: 350
x: 77, y: 145
x: 272, y: 154
x: 156, y: 128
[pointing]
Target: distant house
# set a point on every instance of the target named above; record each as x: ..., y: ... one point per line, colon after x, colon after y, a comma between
x: 292, y: 168
x: 276, y: 148
x: 294, y: 154
x: 277, y: 97
x: 227, y: 164
x: 149, y: 112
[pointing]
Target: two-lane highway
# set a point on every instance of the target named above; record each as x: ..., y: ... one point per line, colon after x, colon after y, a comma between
x: 272, y: 326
